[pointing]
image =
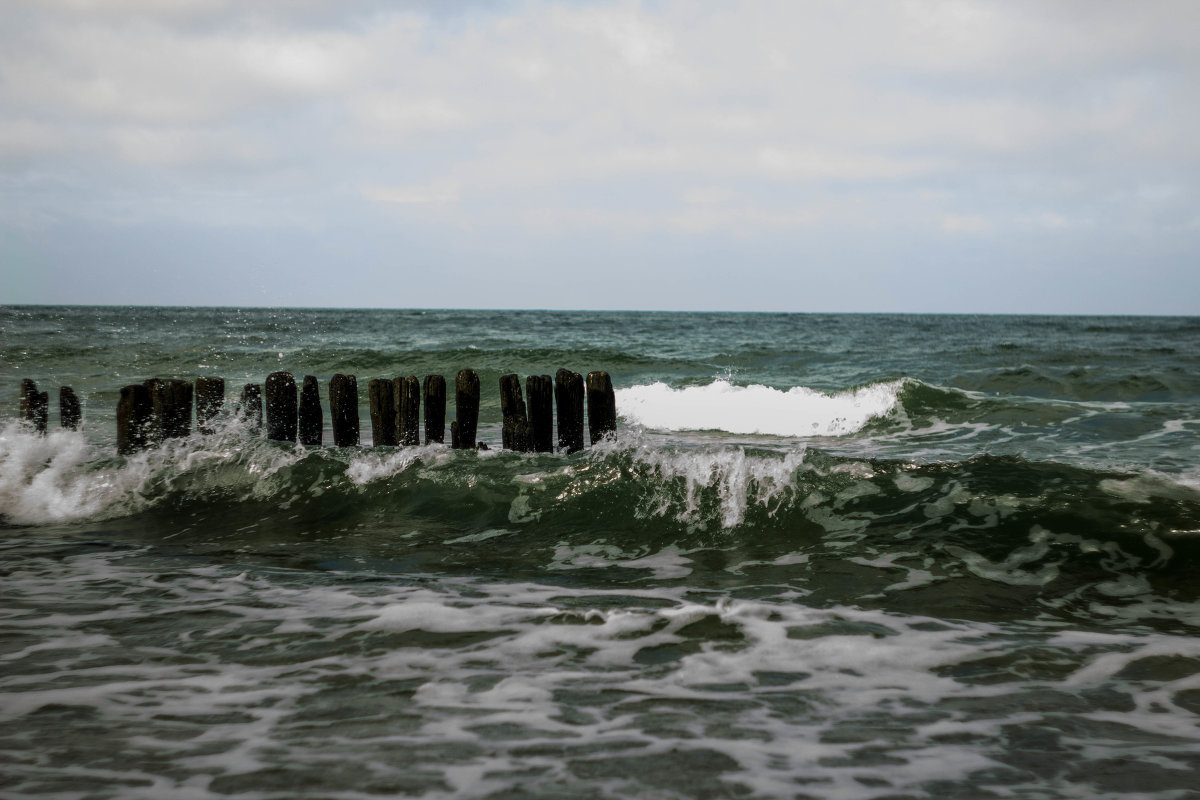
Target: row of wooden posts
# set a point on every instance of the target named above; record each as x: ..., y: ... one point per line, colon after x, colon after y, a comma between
x: 156, y: 409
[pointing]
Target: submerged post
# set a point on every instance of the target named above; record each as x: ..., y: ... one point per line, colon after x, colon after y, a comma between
x: 35, y: 405
x: 176, y: 409
x: 568, y: 397
x: 134, y: 417
x: 68, y: 408
x: 251, y: 405
x: 602, y: 405
x: 343, y: 410
x: 408, y: 410
x: 312, y: 420
x: 381, y: 395
x: 210, y: 399
x: 539, y: 394
x: 515, y: 431
x: 435, y: 409
x: 281, y: 406
x: 466, y: 409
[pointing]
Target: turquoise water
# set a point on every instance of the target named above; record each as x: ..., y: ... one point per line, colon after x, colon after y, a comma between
x: 835, y: 556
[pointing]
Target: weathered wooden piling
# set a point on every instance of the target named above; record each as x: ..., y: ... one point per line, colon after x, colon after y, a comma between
x: 381, y: 393
x: 210, y: 400
x: 601, y: 405
x: 68, y: 408
x: 435, y: 409
x: 515, y: 431
x: 176, y: 411
x: 35, y: 405
x: 251, y: 406
x: 408, y: 409
x: 135, y: 411
x: 568, y: 399
x: 466, y: 409
x: 539, y: 397
x: 312, y: 419
x: 158, y: 401
x: 281, y: 402
x: 343, y: 410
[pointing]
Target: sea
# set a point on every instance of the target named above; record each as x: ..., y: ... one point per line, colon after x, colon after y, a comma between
x: 825, y: 556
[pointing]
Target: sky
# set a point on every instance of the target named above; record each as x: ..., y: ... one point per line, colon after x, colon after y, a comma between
x: 1015, y: 156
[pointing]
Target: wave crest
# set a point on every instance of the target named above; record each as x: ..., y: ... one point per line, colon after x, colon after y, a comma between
x: 756, y: 409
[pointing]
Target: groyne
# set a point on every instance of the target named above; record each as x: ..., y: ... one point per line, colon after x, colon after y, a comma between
x: 157, y: 409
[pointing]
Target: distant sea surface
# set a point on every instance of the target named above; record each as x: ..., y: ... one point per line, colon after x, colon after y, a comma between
x: 826, y: 556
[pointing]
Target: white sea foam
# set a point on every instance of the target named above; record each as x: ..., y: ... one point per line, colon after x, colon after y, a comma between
x: 44, y: 479
x: 755, y: 409
x: 505, y: 687
x: 61, y: 477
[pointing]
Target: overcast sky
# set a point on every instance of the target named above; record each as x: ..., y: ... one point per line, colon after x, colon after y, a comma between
x: 887, y: 155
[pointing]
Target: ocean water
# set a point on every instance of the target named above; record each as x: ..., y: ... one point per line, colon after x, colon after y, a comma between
x: 827, y: 556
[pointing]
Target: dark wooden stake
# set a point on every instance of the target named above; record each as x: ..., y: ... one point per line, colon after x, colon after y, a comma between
x: 176, y: 411
x: 466, y: 408
x: 158, y: 401
x: 35, y: 405
x: 381, y: 393
x: 514, y: 434
x: 343, y: 410
x: 455, y: 442
x: 251, y: 406
x: 210, y: 400
x: 539, y: 394
x: 312, y: 419
x: 408, y: 409
x: 68, y: 408
x: 135, y: 413
x: 435, y: 409
x: 601, y: 406
x: 281, y: 401
x: 568, y: 397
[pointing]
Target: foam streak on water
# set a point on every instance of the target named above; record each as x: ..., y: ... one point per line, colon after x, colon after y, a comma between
x: 257, y: 683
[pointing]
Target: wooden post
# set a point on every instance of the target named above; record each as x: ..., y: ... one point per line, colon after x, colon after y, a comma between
x: 539, y: 394
x: 466, y: 408
x: 568, y: 397
x: 312, y: 420
x: 455, y: 441
x: 435, y: 409
x: 158, y: 402
x: 251, y: 406
x: 68, y: 408
x: 408, y: 410
x: 602, y: 405
x: 281, y: 401
x: 176, y: 410
x: 382, y: 395
x: 135, y: 412
x: 35, y: 405
x: 515, y: 431
x: 343, y: 410
x: 210, y: 399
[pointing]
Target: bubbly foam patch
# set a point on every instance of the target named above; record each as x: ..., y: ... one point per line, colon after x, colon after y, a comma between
x: 46, y: 479
x: 755, y: 409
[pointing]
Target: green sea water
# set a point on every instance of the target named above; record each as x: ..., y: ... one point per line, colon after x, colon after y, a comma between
x: 832, y: 556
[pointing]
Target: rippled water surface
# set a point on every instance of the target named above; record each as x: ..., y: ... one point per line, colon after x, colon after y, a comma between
x: 825, y: 556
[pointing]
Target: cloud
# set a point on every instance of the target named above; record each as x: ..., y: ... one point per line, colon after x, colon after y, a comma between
x: 537, y: 118
x: 436, y: 194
